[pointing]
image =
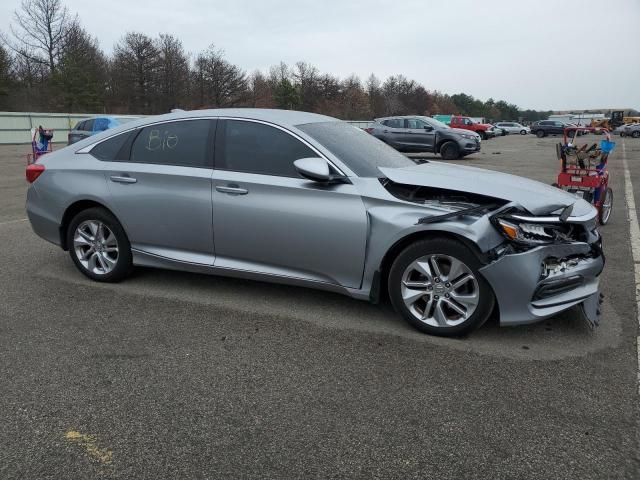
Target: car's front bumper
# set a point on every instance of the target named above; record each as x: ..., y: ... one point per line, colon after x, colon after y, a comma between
x: 468, y: 145
x: 527, y: 291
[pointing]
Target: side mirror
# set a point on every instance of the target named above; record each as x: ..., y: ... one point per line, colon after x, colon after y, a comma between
x: 428, y: 128
x: 316, y: 169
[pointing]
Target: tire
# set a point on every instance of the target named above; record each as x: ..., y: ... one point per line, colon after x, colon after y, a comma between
x: 523, y: 132
x: 621, y: 134
x: 483, y: 135
x: 99, y: 246
x: 635, y: 133
x: 540, y: 133
x: 439, y: 317
x: 450, y: 151
x: 604, y: 212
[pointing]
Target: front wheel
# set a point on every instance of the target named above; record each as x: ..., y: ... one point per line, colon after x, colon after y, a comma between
x: 436, y: 286
x: 523, y: 132
x: 636, y: 134
x: 604, y: 214
x: 540, y: 133
x: 99, y: 246
x: 450, y: 151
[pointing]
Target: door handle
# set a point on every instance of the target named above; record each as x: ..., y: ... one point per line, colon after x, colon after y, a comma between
x: 122, y: 179
x: 232, y: 189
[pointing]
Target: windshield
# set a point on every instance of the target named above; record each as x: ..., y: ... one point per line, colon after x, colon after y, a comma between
x: 360, y: 151
x: 434, y: 123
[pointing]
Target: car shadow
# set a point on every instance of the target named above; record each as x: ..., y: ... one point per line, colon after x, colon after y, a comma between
x: 565, y: 335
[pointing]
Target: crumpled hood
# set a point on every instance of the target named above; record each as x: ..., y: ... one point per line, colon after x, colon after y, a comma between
x: 536, y: 197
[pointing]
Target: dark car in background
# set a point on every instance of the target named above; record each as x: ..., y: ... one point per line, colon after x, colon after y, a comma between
x: 548, y: 127
x: 425, y: 134
x: 91, y: 126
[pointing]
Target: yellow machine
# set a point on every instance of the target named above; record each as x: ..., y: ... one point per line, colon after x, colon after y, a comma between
x: 617, y: 119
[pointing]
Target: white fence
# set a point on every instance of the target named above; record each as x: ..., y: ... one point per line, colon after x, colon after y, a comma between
x: 15, y: 127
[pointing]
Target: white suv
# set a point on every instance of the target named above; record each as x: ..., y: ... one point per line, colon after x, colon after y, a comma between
x: 512, y: 127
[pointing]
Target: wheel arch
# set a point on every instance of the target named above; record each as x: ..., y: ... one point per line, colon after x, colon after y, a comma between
x: 71, y: 211
x: 392, y: 253
x: 441, y: 142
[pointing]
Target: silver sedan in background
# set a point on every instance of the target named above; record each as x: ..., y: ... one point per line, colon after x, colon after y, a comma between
x: 308, y: 200
x: 513, y: 127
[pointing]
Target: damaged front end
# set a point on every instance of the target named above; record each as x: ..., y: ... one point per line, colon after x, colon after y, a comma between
x: 541, y: 249
x: 547, y: 264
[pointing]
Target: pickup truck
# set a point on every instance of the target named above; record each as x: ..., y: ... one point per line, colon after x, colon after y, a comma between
x: 485, y: 130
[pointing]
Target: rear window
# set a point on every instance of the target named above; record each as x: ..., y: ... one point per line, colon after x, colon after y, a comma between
x: 360, y: 151
x: 114, y: 149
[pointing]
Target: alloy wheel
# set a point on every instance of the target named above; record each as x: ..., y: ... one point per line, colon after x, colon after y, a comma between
x: 440, y: 290
x: 96, y: 247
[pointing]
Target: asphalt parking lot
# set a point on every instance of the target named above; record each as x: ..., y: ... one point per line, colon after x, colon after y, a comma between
x: 176, y: 375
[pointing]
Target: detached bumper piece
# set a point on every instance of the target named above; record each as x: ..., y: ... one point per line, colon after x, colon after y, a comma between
x: 533, y: 285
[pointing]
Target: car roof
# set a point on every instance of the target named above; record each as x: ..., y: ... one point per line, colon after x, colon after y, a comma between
x: 281, y: 117
x: 285, y: 118
x: 401, y: 117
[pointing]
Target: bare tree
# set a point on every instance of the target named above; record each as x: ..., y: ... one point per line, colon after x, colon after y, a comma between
x: 40, y: 31
x: 218, y: 82
x: 134, y: 72
x: 172, y: 74
x: 6, y: 77
x: 306, y: 78
x: 80, y: 79
x: 260, y: 93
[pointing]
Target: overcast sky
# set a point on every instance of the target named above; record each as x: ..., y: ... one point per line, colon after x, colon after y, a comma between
x: 541, y: 54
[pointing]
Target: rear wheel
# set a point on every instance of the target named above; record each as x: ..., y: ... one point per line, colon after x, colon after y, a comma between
x: 483, y: 135
x: 450, y: 151
x: 523, y: 132
x: 540, y: 133
x: 99, y: 246
x: 605, y: 209
x: 435, y: 285
x: 636, y: 134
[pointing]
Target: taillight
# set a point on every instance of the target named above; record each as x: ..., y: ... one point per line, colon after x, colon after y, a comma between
x: 368, y: 130
x: 34, y: 171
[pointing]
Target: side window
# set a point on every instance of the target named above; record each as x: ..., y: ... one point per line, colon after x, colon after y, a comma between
x: 78, y: 126
x: 468, y: 122
x: 413, y: 123
x: 183, y: 142
x: 396, y: 123
x: 114, y: 149
x: 258, y: 148
x: 88, y: 125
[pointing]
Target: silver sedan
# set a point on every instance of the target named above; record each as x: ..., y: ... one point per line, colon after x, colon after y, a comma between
x: 308, y: 200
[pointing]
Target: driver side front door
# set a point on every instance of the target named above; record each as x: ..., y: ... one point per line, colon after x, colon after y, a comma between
x: 269, y: 220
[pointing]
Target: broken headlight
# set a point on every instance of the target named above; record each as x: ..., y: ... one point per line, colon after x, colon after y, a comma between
x: 533, y: 233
